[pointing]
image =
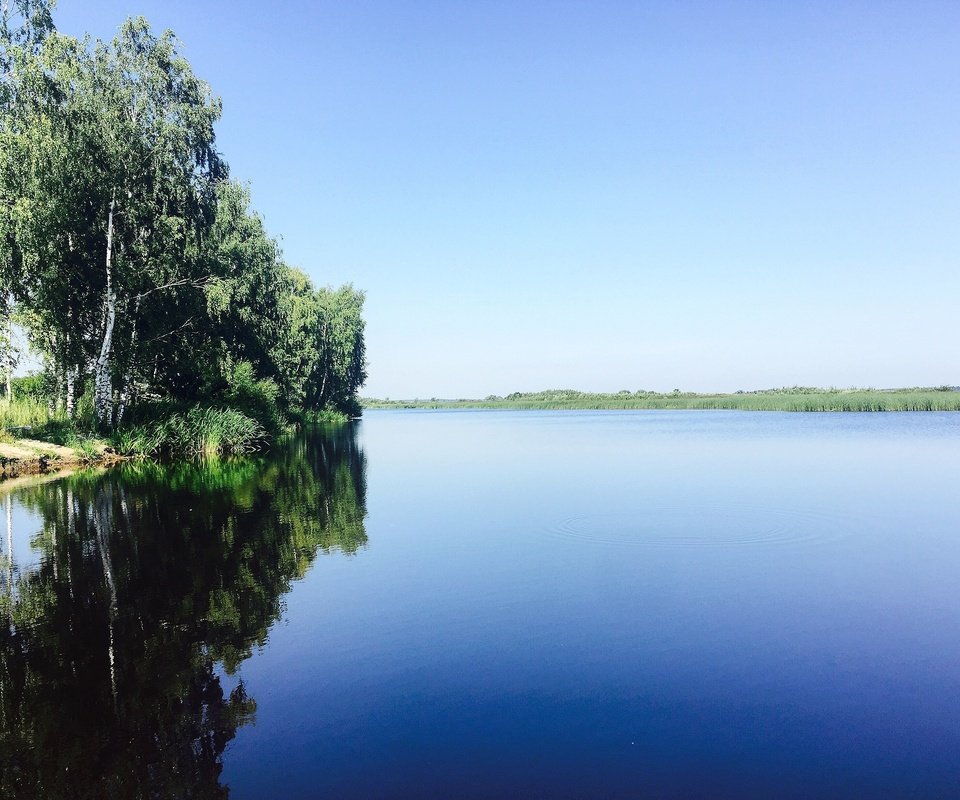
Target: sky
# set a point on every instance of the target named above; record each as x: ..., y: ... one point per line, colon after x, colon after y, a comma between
x: 602, y: 195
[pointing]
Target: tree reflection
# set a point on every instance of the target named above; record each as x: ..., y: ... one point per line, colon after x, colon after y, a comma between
x: 153, y: 582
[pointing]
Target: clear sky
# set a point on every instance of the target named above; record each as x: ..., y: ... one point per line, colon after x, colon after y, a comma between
x: 602, y: 195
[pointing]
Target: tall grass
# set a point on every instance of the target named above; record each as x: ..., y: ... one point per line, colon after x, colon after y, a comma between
x: 195, y: 432
x: 325, y: 416
x: 26, y: 412
x: 212, y: 431
x: 159, y: 430
x: 138, y: 441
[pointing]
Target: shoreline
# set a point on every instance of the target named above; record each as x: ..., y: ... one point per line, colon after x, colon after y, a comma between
x: 29, y: 457
x: 798, y: 400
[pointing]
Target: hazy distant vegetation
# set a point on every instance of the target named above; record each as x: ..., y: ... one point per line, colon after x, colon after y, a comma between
x: 793, y: 398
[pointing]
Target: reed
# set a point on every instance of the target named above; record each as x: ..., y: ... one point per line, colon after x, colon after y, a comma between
x: 211, y: 431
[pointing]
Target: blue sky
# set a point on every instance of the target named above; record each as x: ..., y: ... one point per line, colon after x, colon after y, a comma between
x: 602, y: 195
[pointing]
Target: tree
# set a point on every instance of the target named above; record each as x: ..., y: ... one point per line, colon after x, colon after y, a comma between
x: 156, y: 120
x: 118, y: 189
x: 327, y: 334
x: 138, y: 267
x: 22, y: 33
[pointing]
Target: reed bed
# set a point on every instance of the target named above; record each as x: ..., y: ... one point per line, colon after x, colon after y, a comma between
x: 196, y: 432
x: 940, y: 399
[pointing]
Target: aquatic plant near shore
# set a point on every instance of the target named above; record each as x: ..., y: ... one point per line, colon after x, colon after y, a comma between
x: 212, y: 431
x: 195, y: 432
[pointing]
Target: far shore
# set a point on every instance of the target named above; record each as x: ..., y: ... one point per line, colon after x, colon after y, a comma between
x: 943, y: 398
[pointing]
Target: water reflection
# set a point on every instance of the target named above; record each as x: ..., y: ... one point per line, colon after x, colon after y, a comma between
x: 153, y: 581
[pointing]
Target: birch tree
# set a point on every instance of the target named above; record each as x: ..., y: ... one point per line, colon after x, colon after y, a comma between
x: 161, y: 166
x: 139, y: 267
x: 23, y: 29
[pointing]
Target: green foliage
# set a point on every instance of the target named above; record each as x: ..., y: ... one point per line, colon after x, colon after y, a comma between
x: 123, y: 244
x: 326, y: 417
x: 138, y: 441
x: 253, y: 397
x: 198, y: 431
x: 87, y: 450
x: 34, y: 387
x: 326, y: 349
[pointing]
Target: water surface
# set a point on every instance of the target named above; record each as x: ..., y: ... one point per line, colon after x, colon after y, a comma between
x: 490, y: 603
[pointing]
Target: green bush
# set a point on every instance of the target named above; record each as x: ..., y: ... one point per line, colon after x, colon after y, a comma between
x: 325, y: 416
x: 254, y: 397
x: 37, y: 387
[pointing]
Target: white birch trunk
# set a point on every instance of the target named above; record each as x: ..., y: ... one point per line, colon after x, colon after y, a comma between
x: 124, y: 398
x: 9, y: 359
x: 10, y: 548
x: 127, y: 385
x: 71, y: 400
x: 103, y: 384
x: 102, y: 524
x: 323, y: 381
x: 54, y: 395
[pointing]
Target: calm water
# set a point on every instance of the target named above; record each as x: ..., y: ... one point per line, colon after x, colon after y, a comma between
x: 497, y: 604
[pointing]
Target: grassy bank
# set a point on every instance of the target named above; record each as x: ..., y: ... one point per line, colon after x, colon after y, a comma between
x: 32, y: 439
x: 787, y: 399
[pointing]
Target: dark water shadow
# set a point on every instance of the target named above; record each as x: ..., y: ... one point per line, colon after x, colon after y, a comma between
x: 152, y: 582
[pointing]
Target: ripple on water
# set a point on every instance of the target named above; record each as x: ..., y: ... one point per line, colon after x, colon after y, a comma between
x: 717, y: 526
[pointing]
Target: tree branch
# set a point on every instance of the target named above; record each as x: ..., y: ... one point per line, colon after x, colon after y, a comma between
x: 196, y: 283
x: 179, y: 328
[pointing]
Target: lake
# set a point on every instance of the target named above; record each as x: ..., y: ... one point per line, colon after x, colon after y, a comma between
x: 496, y: 604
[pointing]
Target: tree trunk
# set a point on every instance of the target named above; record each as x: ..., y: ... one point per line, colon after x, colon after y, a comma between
x: 124, y: 399
x: 9, y: 358
x: 102, y: 381
x: 71, y: 400
x: 103, y: 527
x: 54, y: 397
x: 126, y: 386
x: 10, y: 548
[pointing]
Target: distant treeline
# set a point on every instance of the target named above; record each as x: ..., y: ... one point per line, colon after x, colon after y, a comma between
x: 133, y: 262
x: 795, y: 398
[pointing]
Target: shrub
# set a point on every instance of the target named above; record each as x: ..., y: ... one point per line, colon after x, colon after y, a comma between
x: 254, y: 397
x: 36, y: 386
